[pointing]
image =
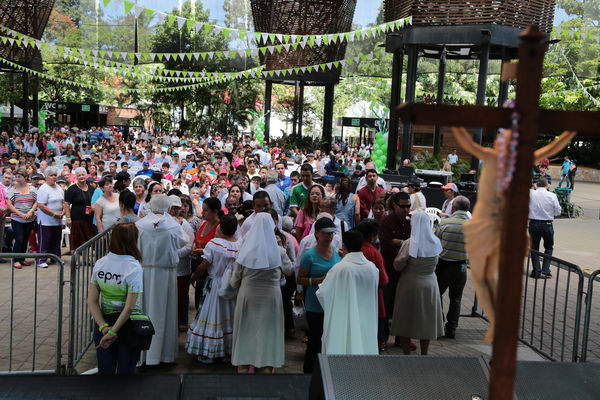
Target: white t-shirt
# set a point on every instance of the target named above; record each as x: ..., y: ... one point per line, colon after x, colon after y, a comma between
x: 118, y: 275
x: 53, y: 198
x: 110, y: 212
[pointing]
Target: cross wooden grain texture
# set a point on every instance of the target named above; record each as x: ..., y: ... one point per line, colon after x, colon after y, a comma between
x: 514, y: 219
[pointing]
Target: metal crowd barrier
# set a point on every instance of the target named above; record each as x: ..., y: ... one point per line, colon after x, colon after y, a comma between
x: 594, y: 277
x: 553, y: 320
x: 37, y: 321
x: 80, y: 321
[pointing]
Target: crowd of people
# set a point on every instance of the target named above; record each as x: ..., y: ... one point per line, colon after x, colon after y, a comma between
x: 254, y: 229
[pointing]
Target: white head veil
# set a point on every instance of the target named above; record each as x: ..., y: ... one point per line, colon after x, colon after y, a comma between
x: 260, y: 249
x: 159, y: 203
x: 423, y: 243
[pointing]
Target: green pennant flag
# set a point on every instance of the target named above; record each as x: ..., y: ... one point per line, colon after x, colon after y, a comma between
x: 112, y: 63
x: 263, y: 50
x: 88, y: 52
x: 347, y: 36
x: 189, y: 56
x: 297, y: 70
x: 207, y: 28
x: 149, y: 13
x: 322, y: 66
x: 101, y: 52
x: 131, y: 56
x: 246, y: 74
x: 295, y: 46
x: 203, y: 55
x: 233, y: 53
x: 311, y: 41
x: 117, y: 54
x: 226, y: 32
x: 309, y: 68
x: 106, y: 3
x: 248, y: 52
x: 172, y: 73
x: 242, y: 34
x: 378, y: 29
x: 271, y: 73
x: 218, y: 54
x: 286, y: 38
x: 160, y: 56
x: 279, y: 48
x: 272, y: 37
x: 336, y: 64
x: 128, y: 6
x: 335, y: 37
x: 363, y: 57
x: 190, y: 23
x: 4, y: 39
x: 18, y: 42
x: 397, y: 23
x: 257, y: 37
x: 170, y: 19
x: 388, y: 26
x: 325, y: 39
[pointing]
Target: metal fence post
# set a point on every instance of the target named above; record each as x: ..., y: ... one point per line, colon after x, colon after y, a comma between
x: 588, y: 308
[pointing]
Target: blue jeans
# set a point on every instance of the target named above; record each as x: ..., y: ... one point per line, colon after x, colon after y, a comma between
x: 562, y: 178
x: 21, y: 230
x: 117, y: 358
x: 541, y: 230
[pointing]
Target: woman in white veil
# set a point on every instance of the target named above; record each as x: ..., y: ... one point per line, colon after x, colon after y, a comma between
x: 258, y: 326
x: 417, y: 307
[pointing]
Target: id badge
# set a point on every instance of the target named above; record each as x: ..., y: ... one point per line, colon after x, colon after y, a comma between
x: 88, y: 210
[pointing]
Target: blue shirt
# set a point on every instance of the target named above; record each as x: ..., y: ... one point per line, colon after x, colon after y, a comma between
x: 284, y: 183
x: 317, y: 266
x: 565, y: 167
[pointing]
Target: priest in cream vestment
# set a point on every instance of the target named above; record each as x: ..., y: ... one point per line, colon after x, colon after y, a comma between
x: 159, y: 241
x: 349, y: 299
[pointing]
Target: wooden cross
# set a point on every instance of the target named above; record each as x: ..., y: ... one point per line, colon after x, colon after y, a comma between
x: 513, y: 240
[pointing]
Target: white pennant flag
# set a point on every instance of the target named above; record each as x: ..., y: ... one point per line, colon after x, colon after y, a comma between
x: 180, y: 22
x: 264, y: 37
x: 330, y: 39
x: 254, y: 52
x: 167, y: 56
x: 181, y: 56
x: 286, y: 47
x: 197, y: 56
x: 318, y: 40
x: 198, y: 27
x: 303, y: 69
x: 178, y: 73
x: 329, y: 64
x: 226, y: 54
x: 210, y: 54
x: 137, y: 10
x: 279, y: 37
x: 117, y: 4
x: 303, y: 44
x: 271, y: 49
x: 124, y: 56
x: 151, y: 55
x: 160, y: 17
x: 293, y: 38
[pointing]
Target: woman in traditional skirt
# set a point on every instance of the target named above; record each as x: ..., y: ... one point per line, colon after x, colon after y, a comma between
x: 210, y: 335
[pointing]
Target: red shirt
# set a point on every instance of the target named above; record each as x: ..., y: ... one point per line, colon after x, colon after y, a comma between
x: 375, y: 257
x: 367, y: 198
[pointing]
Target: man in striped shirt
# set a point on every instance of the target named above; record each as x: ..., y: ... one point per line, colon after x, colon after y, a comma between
x: 451, y: 270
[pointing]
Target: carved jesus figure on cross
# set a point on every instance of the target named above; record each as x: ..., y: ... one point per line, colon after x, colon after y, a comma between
x: 482, y: 232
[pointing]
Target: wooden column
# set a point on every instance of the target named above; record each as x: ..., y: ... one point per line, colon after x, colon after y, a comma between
x: 484, y: 56
x: 328, y: 115
x: 437, y: 135
x: 395, y: 100
x: 411, y: 82
x: 300, y: 109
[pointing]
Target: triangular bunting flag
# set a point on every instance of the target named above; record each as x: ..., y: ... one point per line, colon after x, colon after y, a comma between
x: 128, y: 5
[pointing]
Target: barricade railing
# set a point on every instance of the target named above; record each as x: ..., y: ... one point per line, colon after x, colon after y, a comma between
x: 551, y: 312
x: 25, y: 321
x: 593, y: 278
x: 80, y: 321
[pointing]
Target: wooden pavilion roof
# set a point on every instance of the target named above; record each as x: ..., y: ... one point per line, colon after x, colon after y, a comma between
x: 28, y: 17
x: 302, y: 17
x: 511, y: 13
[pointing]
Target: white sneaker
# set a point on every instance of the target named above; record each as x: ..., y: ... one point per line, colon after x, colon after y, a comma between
x: 43, y: 265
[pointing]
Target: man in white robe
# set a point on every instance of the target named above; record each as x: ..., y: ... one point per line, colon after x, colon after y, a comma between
x: 160, y: 239
x: 349, y: 299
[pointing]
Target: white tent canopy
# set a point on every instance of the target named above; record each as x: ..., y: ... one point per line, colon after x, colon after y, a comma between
x: 18, y: 113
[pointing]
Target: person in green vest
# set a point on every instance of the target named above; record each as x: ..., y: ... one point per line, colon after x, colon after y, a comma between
x: 300, y: 192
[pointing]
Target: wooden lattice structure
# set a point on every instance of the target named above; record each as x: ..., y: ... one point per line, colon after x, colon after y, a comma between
x: 513, y: 13
x: 28, y: 17
x: 302, y: 17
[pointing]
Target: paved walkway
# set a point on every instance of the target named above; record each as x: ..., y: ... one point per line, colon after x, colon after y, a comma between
x: 576, y: 240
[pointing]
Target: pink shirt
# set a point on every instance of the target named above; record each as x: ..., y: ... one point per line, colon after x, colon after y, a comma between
x: 303, y: 222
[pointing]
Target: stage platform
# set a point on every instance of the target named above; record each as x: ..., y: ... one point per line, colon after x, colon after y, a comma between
x: 336, y: 377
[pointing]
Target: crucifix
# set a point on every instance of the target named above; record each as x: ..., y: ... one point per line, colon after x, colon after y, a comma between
x: 497, y: 267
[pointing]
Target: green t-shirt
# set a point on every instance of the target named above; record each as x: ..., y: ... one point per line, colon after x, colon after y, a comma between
x: 116, y: 276
x: 298, y: 196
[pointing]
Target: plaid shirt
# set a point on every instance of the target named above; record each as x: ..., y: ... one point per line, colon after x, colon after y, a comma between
x: 450, y: 232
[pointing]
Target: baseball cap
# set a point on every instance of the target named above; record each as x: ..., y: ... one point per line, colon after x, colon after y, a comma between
x: 450, y: 186
x: 37, y: 175
x: 223, y: 171
x: 146, y: 162
x: 325, y: 225
x: 61, y: 179
x: 91, y: 180
x: 174, y: 201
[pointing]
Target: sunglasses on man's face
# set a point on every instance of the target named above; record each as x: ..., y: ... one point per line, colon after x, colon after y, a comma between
x: 403, y: 205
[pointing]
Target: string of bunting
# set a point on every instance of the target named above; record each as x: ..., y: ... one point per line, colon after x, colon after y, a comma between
x: 579, y: 84
x: 214, y: 77
x: 259, y: 37
x: 94, y: 55
x: 557, y: 32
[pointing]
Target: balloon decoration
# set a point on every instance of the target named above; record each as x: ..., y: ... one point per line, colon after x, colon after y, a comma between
x: 259, y: 125
x: 380, y: 145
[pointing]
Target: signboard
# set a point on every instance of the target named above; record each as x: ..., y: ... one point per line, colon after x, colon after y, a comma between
x: 85, y: 107
x: 355, y: 121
